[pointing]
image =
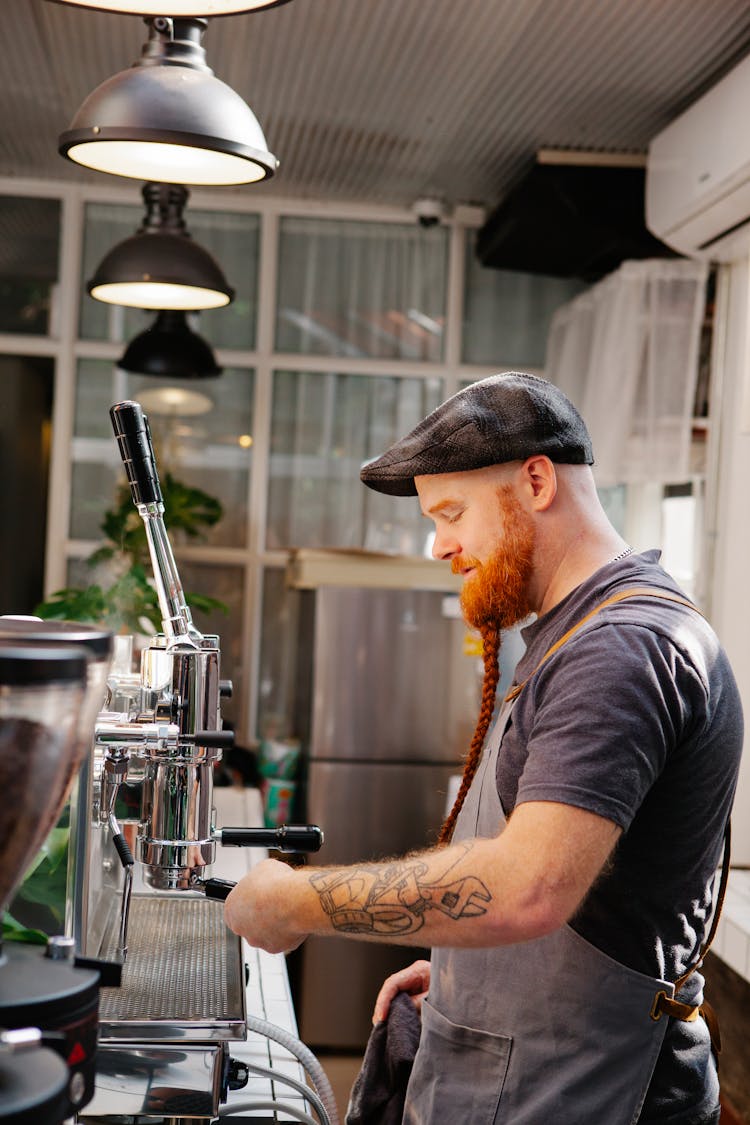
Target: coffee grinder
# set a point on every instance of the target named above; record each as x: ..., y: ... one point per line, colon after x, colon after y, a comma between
x: 48, y: 998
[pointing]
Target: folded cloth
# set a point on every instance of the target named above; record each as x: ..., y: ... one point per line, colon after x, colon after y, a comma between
x: 379, y: 1090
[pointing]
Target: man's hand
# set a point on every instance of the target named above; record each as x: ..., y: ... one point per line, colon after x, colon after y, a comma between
x: 261, y: 908
x: 415, y: 980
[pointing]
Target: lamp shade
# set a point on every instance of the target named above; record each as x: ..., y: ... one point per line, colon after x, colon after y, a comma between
x: 168, y: 119
x: 170, y: 349
x: 160, y: 267
x: 176, y: 7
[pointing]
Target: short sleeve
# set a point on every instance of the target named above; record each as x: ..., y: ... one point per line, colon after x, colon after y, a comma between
x: 596, y: 724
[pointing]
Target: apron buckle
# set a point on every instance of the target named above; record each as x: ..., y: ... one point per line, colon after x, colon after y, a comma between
x: 665, y: 1004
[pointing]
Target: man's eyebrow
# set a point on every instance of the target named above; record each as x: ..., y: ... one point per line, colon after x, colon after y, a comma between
x: 441, y: 506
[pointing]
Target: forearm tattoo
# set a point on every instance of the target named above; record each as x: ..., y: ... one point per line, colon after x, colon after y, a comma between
x: 391, y: 899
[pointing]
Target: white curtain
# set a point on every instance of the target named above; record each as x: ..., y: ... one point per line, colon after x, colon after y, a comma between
x: 626, y: 353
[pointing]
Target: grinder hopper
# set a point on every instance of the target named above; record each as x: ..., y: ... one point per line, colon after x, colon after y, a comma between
x: 37, y: 797
x: 49, y: 693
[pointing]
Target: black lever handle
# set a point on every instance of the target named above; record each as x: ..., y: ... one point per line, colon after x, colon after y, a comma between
x: 287, y: 838
x: 220, y: 738
x: 136, y: 449
x: 217, y: 888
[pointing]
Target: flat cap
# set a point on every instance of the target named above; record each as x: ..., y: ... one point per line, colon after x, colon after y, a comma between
x: 504, y: 418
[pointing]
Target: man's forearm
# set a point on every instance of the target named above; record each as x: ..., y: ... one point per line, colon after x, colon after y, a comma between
x: 520, y: 885
x: 398, y: 899
x: 435, y: 897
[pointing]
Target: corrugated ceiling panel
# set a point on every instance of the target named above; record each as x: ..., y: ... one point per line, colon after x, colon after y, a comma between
x: 384, y: 100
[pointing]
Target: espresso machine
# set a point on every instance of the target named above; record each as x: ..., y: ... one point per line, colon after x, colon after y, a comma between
x: 141, y: 891
x: 50, y: 689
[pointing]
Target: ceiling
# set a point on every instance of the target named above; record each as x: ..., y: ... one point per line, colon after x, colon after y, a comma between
x: 386, y: 101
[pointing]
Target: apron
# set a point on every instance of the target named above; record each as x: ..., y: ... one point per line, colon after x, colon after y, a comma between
x: 545, y: 1032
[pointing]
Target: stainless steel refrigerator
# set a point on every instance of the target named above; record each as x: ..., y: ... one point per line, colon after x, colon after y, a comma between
x: 394, y: 698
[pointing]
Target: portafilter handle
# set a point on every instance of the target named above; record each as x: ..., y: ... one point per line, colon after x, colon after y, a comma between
x: 286, y: 838
x: 218, y: 889
x: 133, y: 436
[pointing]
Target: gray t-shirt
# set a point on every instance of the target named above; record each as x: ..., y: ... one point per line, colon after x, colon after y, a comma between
x: 638, y: 719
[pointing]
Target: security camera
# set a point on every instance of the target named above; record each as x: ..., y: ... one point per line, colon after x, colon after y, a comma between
x: 428, y: 212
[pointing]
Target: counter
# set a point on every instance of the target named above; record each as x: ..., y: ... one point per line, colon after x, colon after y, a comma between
x: 727, y: 973
x: 268, y: 993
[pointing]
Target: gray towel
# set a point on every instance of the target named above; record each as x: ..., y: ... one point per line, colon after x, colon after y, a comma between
x: 379, y: 1090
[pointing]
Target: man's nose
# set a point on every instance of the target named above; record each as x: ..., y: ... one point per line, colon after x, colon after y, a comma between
x: 445, y: 545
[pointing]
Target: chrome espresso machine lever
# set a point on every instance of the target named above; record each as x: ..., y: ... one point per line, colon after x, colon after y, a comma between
x: 176, y: 735
x: 133, y: 437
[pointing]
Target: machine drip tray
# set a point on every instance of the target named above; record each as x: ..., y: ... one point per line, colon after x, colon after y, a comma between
x: 183, y: 979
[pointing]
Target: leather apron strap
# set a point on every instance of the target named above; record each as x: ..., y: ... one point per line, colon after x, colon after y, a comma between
x: 663, y: 1004
x: 633, y: 592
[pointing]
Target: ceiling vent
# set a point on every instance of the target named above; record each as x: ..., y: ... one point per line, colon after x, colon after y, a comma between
x: 572, y: 219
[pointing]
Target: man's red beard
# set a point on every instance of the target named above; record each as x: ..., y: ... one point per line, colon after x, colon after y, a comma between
x: 498, y: 594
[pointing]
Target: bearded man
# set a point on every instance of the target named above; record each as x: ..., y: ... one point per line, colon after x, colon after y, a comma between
x: 569, y: 900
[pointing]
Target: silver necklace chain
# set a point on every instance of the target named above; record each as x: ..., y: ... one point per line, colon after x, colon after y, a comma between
x: 622, y: 555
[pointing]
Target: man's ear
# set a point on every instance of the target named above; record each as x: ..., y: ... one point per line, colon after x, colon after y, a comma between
x: 540, y: 478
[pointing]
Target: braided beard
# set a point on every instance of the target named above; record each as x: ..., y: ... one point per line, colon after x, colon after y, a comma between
x: 497, y: 595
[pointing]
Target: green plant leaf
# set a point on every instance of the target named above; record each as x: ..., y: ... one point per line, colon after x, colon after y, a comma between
x: 14, y: 931
x: 206, y: 604
x: 55, y: 848
x: 190, y: 510
x: 52, y: 853
x: 74, y: 604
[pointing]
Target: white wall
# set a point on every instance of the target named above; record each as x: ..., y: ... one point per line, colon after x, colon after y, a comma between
x: 729, y: 537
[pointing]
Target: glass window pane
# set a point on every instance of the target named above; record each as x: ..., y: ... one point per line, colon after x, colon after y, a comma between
x: 507, y: 314
x: 104, y: 226
x: 323, y: 428
x: 94, y: 486
x: 361, y: 289
x: 210, y: 449
x: 614, y: 501
x: 26, y: 397
x: 232, y: 238
x: 227, y: 585
x: 29, y: 250
x: 679, y: 515
x: 282, y: 682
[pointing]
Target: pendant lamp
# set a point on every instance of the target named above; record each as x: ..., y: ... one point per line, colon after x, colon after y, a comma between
x: 175, y: 402
x: 176, y: 7
x: 160, y: 267
x: 168, y: 118
x: 170, y: 349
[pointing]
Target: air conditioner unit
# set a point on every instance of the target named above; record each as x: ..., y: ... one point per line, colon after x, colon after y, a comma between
x: 698, y: 174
